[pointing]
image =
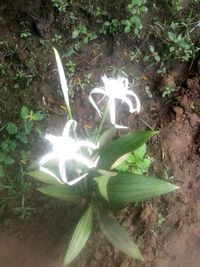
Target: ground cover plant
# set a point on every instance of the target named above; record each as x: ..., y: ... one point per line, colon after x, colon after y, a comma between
x: 98, y: 180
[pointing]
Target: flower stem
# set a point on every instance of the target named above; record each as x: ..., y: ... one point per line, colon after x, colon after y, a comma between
x: 69, y: 112
x: 105, y: 113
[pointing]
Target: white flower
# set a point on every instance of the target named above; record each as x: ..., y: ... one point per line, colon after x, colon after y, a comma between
x: 66, y: 148
x: 115, y: 89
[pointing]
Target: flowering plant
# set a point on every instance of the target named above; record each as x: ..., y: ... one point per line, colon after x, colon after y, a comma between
x: 79, y: 168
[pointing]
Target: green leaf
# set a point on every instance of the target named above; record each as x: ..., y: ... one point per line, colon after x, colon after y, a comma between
x: 80, y: 236
x: 38, y: 116
x: 120, y: 161
x: 129, y: 188
x: 2, y: 173
x: 106, y: 136
x: 11, y: 128
x: 125, y: 144
x: 117, y: 236
x: 62, y: 192
x: 102, y: 182
x: 8, y: 160
x: 75, y: 34
x: 140, y: 152
x: 24, y: 113
x: 27, y: 127
x: 43, y: 177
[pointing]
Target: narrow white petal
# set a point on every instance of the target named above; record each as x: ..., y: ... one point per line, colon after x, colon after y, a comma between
x: 68, y: 126
x: 61, y: 166
x: 130, y: 104
x: 117, y: 126
x: 101, y: 99
x: 96, y: 91
x: 64, y: 176
x: 46, y: 158
x: 76, y: 180
x: 86, y: 144
x: 138, y: 105
x: 51, y: 138
x: 105, y: 79
x: 112, y: 110
x: 63, y: 80
x: 47, y: 171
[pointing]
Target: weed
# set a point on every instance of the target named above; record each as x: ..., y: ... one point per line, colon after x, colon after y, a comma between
x: 167, y: 91
x: 136, y: 162
x: 14, y: 137
x: 60, y: 5
x: 82, y: 32
x: 134, y: 9
x: 109, y: 26
x: 25, y: 32
x: 71, y: 66
x: 57, y: 40
x: 160, y: 219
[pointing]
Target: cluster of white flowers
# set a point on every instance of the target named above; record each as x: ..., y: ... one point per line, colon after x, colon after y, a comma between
x: 66, y: 147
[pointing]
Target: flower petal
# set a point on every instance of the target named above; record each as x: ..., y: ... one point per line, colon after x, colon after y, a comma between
x: 47, y: 171
x: 96, y: 91
x: 138, y: 105
x: 112, y: 110
x: 64, y: 176
x: 67, y: 127
x: 86, y: 144
x: 46, y: 158
x: 112, y: 114
x: 61, y: 166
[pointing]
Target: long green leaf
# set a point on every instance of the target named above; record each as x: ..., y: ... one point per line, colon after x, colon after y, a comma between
x: 127, y: 188
x: 80, y: 236
x: 106, y: 136
x: 125, y: 144
x: 62, y: 192
x: 116, y: 234
x: 43, y: 177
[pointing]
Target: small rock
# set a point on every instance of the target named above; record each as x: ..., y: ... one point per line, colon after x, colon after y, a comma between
x: 184, y: 102
x: 194, y: 119
x: 178, y: 110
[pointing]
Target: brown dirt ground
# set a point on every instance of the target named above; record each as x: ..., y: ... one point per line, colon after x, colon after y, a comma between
x: 40, y: 240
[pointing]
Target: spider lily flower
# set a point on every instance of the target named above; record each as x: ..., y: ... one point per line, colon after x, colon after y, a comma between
x: 64, y: 149
x: 115, y: 89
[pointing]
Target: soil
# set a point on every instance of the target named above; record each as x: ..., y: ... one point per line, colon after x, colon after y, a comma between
x: 41, y: 239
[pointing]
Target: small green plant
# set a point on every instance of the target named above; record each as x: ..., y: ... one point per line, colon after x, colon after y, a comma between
x: 152, y: 57
x: 160, y: 219
x: 136, y: 162
x: 180, y: 47
x: 109, y: 26
x: 134, y: 9
x: 25, y: 32
x: 168, y: 89
x: 16, y: 135
x: 57, y: 39
x: 82, y: 32
x: 79, y: 168
x: 176, y: 6
x: 60, y: 5
x: 71, y: 66
x: 13, y: 184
